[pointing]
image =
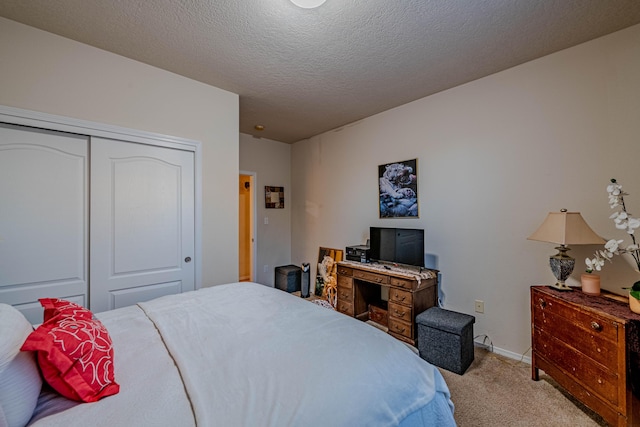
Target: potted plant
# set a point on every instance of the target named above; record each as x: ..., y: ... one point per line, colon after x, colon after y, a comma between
x: 590, y: 282
x: 623, y: 221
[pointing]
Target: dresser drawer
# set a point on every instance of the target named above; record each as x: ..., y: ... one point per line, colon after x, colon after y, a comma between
x: 345, y: 282
x: 588, y: 340
x: 345, y: 294
x: 400, y: 327
x: 371, y: 277
x: 591, y: 374
x: 400, y: 296
x: 601, y: 326
x: 402, y: 283
x: 402, y: 312
x: 345, y: 307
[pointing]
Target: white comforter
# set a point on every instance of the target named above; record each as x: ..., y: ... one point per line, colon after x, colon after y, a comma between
x: 247, y: 355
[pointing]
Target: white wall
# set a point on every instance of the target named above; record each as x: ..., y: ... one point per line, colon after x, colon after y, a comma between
x: 47, y: 73
x: 494, y: 156
x: 271, y: 162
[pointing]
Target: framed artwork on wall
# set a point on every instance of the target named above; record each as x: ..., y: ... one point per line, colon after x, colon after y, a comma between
x: 398, y: 189
x: 273, y: 197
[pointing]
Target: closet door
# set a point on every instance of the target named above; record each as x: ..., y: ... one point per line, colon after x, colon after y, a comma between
x: 43, y: 217
x: 142, y: 223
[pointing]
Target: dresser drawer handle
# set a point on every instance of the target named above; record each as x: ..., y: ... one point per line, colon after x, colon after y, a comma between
x: 397, y: 298
x: 400, y: 330
x: 400, y: 313
x: 543, y: 303
x: 596, y: 326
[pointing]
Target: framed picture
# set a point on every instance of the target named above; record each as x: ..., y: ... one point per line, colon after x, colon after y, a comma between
x: 398, y: 189
x: 273, y: 197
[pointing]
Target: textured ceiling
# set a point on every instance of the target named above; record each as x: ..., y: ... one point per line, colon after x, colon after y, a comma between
x: 300, y: 72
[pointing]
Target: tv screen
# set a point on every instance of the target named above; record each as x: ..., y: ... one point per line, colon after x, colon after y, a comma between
x: 397, y: 245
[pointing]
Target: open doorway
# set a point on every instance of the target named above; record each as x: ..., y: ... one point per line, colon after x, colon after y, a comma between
x: 246, y: 227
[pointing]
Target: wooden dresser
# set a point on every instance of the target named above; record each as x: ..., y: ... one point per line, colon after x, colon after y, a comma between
x: 362, y: 289
x: 589, y: 345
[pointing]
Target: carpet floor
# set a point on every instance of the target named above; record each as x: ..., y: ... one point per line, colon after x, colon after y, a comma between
x: 498, y: 391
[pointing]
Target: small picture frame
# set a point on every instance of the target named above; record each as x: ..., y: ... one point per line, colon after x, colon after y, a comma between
x: 273, y: 197
x: 398, y: 189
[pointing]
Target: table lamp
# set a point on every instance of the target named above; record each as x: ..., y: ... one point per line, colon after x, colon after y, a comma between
x: 564, y: 228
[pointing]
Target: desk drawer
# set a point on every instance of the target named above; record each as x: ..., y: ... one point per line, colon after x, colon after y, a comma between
x: 400, y: 296
x: 403, y: 283
x: 400, y: 327
x: 371, y: 277
x: 345, y: 270
x: 345, y: 307
x: 345, y: 294
x: 401, y: 312
x: 345, y: 282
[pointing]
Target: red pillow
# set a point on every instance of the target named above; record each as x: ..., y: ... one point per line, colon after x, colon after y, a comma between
x: 74, y: 352
x: 54, y: 307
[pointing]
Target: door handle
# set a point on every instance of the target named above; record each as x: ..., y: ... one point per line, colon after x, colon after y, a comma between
x: 187, y: 259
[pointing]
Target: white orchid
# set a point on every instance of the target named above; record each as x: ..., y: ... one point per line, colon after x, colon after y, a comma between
x: 613, y: 245
x: 594, y: 264
x: 615, y: 194
x: 623, y: 221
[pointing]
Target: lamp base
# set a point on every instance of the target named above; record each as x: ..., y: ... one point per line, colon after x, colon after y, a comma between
x: 562, y: 267
x: 561, y: 287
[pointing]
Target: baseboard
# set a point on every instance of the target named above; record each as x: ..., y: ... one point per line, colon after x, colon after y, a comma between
x: 503, y: 352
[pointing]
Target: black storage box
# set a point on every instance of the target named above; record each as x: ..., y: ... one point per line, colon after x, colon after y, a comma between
x: 445, y: 338
x: 288, y: 278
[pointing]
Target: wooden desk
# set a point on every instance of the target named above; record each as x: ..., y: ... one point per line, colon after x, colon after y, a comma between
x: 362, y: 285
x: 590, y: 346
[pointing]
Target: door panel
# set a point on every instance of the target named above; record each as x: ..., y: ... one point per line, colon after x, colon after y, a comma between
x: 43, y: 225
x: 33, y: 311
x: 142, y: 227
x: 125, y: 297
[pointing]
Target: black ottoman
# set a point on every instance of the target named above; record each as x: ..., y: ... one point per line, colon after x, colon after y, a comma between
x: 445, y: 339
x: 288, y: 278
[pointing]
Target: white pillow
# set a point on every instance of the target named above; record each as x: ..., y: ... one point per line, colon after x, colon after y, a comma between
x: 20, y: 380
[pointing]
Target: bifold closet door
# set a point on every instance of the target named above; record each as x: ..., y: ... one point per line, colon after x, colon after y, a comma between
x: 43, y: 217
x: 142, y: 223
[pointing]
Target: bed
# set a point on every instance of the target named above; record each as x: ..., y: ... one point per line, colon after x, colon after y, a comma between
x: 244, y: 354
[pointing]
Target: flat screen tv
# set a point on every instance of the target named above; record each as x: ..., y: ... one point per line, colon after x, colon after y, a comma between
x: 397, y: 245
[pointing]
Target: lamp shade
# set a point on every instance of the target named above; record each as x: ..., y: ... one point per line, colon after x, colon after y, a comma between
x: 566, y: 228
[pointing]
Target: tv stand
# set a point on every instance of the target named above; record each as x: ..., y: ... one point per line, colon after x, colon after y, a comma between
x: 363, y: 289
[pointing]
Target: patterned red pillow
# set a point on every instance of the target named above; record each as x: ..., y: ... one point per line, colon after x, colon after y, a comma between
x: 74, y: 352
x: 54, y: 307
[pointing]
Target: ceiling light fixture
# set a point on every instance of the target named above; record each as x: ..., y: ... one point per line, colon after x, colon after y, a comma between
x: 308, y: 4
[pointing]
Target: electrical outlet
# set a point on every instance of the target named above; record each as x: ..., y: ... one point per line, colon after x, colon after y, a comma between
x: 265, y: 268
x: 479, y: 306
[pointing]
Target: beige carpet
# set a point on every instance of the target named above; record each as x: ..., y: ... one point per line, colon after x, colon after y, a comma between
x: 498, y: 391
